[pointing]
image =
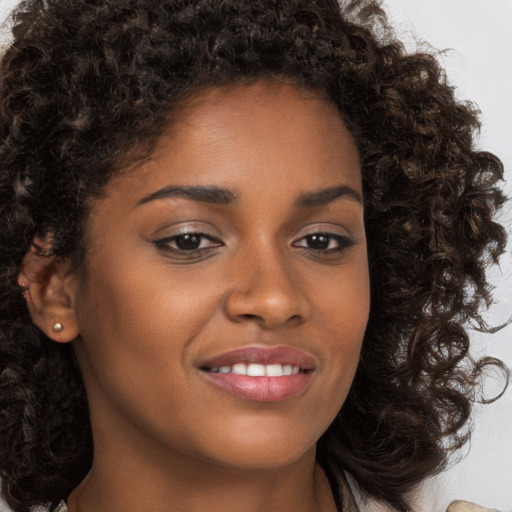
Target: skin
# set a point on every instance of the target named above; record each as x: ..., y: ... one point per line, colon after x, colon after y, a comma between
x: 146, y: 314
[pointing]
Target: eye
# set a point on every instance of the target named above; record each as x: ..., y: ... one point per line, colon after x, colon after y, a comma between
x: 188, y: 243
x: 324, y: 242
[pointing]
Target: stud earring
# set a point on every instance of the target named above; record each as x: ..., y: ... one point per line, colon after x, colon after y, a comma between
x: 57, y: 327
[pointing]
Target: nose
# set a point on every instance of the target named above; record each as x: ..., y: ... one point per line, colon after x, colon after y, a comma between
x: 267, y: 291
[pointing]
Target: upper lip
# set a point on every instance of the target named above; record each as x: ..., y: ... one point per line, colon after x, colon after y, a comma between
x: 262, y: 355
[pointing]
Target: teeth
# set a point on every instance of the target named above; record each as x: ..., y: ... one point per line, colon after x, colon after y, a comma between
x: 274, y: 370
x: 239, y: 369
x: 258, y: 370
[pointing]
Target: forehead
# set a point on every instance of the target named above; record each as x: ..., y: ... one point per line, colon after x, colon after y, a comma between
x: 283, y: 105
x: 264, y: 132
x: 255, y: 110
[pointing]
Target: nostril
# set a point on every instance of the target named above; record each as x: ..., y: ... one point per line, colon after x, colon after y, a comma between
x: 248, y: 316
x: 295, y: 319
x: 267, y: 319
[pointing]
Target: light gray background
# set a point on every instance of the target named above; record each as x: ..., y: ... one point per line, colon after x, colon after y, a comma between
x: 479, y: 63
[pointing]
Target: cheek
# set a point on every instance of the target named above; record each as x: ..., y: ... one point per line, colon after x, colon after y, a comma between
x: 343, y: 300
x: 136, y: 305
x: 135, y: 331
x: 138, y: 322
x: 342, y: 311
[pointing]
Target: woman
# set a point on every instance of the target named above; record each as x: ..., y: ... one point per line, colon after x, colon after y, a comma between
x: 241, y: 242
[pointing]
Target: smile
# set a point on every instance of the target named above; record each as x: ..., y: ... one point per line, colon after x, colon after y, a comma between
x: 258, y: 370
x: 261, y: 374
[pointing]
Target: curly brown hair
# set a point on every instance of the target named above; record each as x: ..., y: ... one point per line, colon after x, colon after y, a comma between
x: 84, y: 83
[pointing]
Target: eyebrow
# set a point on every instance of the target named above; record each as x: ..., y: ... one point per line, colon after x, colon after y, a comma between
x: 224, y: 196
x: 203, y: 194
x: 328, y: 195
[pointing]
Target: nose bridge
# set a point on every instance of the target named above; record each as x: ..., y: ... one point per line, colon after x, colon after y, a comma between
x: 265, y: 288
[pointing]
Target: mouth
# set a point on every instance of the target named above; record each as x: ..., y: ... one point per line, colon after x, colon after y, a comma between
x: 259, y: 370
x: 260, y: 374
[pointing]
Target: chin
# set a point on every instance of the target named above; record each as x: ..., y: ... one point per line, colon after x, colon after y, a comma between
x: 258, y: 460
x: 258, y: 450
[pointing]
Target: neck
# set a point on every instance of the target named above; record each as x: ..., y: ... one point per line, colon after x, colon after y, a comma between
x: 110, y: 487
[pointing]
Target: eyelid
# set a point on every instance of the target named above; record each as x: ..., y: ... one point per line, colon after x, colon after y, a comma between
x: 166, y: 240
x: 186, y: 227
x: 203, y: 231
x: 339, y: 233
x: 326, y: 228
x: 344, y: 241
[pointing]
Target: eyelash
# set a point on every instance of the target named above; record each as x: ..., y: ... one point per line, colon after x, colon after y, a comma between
x: 164, y: 243
x: 343, y: 243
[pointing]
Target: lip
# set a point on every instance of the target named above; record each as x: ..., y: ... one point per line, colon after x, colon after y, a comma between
x: 261, y: 389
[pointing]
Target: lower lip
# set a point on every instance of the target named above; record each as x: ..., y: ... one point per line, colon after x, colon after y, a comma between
x: 261, y: 389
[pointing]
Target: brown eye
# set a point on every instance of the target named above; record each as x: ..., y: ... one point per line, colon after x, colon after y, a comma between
x: 188, y: 243
x: 324, y: 242
x: 319, y: 242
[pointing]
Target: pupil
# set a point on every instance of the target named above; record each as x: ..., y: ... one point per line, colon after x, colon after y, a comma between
x: 318, y: 241
x: 188, y: 242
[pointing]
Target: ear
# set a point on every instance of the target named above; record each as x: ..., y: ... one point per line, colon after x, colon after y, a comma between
x: 49, y: 288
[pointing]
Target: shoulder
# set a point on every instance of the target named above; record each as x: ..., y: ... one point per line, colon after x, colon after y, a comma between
x: 467, y: 506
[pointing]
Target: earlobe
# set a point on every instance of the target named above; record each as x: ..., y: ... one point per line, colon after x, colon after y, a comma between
x: 49, y: 287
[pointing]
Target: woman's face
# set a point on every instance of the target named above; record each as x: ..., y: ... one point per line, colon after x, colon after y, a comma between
x: 238, y: 247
